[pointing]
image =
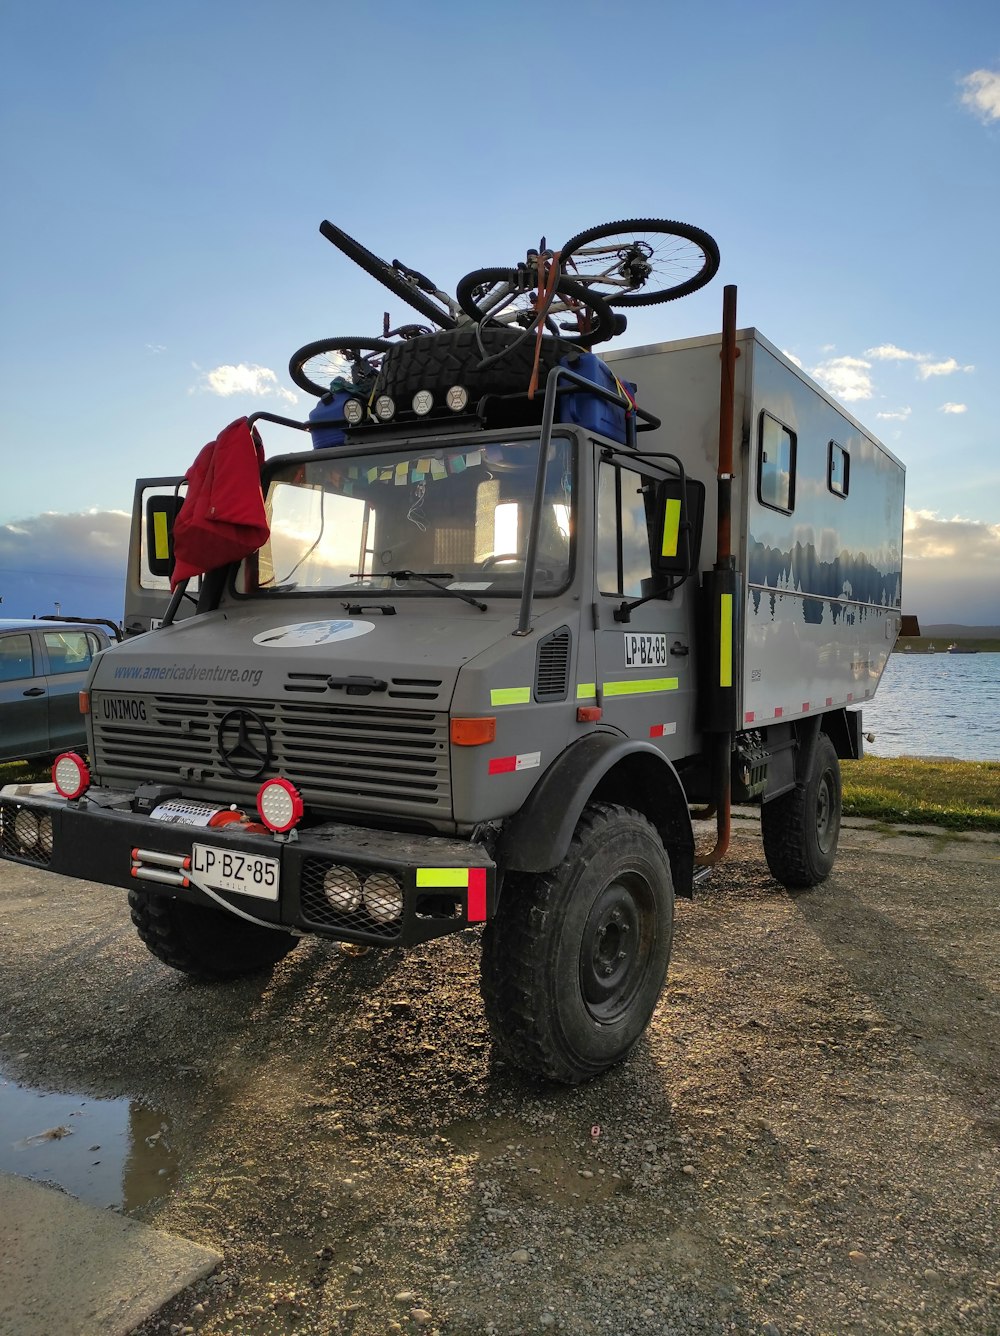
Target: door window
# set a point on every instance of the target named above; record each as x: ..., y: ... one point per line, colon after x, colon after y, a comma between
x: 68, y: 651
x: 16, y: 660
x: 626, y: 512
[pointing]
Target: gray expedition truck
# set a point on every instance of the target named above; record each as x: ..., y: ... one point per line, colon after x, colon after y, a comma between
x: 486, y: 663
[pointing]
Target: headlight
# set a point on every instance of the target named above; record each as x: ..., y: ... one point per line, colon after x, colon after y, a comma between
x: 279, y: 804
x: 70, y: 775
x: 342, y: 888
x: 383, y: 897
x: 26, y: 829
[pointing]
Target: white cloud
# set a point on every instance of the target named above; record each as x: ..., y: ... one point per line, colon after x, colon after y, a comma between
x: 156, y: 347
x: 954, y: 408
x: 946, y: 368
x: 895, y: 415
x: 888, y: 352
x: 257, y: 381
x: 982, y: 94
x: 951, y: 568
x: 791, y: 357
x: 845, y: 377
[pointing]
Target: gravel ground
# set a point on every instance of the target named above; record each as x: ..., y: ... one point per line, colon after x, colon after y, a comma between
x: 805, y: 1141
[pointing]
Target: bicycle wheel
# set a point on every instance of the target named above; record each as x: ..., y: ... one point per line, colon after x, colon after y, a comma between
x: 507, y: 297
x: 316, y: 364
x: 642, y: 261
x: 387, y: 276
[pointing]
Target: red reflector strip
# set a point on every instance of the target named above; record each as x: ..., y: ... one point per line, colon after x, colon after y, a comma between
x: 749, y: 717
x: 850, y: 695
x: 476, y: 903
x: 778, y: 712
x: 662, y: 730
x: 805, y: 705
x: 829, y: 700
x: 503, y: 765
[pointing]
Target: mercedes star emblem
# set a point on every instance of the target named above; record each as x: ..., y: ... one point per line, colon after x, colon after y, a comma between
x: 244, y: 743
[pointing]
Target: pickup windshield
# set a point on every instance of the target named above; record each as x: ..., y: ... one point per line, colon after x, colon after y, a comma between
x: 459, y: 514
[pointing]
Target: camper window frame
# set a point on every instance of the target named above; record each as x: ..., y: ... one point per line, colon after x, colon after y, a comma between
x: 846, y: 458
x: 793, y: 456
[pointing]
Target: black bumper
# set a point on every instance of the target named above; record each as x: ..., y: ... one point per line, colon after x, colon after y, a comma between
x: 447, y: 884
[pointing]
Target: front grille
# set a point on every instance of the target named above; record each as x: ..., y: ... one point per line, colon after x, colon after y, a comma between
x: 349, y: 756
x: 332, y: 895
x: 25, y: 833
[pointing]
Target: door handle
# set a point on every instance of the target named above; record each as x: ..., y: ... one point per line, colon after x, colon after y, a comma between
x: 34, y: 691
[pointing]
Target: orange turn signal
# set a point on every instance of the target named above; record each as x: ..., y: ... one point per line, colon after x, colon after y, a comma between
x: 473, y: 732
x: 85, y: 702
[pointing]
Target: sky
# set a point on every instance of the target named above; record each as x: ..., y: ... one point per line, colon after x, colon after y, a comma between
x: 165, y: 169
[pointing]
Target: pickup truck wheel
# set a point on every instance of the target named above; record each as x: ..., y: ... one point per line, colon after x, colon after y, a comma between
x: 800, y: 829
x: 205, y: 943
x: 574, y: 961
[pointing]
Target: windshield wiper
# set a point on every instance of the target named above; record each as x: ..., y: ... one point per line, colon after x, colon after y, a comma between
x: 427, y: 579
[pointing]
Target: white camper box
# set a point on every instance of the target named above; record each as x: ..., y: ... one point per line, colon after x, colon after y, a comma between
x: 817, y: 519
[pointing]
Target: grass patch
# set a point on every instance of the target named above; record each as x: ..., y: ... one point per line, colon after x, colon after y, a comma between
x: 24, y: 772
x: 959, y: 795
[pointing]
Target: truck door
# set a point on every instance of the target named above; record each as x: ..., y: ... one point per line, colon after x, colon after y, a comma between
x: 645, y: 672
x: 146, y: 594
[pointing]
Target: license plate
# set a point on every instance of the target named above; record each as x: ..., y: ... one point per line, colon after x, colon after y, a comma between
x: 645, y: 650
x: 231, y: 870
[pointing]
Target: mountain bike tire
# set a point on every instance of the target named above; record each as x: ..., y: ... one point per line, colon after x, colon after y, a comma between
x: 473, y: 303
x: 386, y: 275
x: 677, y: 250
x: 306, y: 365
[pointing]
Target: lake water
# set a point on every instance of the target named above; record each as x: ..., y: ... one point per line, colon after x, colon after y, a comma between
x: 937, y: 705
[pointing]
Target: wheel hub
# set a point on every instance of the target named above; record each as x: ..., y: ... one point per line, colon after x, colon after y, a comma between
x: 615, y: 948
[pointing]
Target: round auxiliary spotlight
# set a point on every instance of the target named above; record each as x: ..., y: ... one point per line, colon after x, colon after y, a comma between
x: 279, y: 804
x: 423, y: 402
x: 354, y: 412
x: 342, y: 888
x: 26, y: 829
x: 383, y: 897
x: 385, y: 407
x: 70, y: 775
x: 456, y: 398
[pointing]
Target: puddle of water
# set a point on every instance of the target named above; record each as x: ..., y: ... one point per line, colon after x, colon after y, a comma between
x: 108, y: 1152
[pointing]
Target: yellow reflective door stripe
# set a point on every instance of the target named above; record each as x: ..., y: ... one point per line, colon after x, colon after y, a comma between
x: 161, y: 539
x: 586, y: 691
x: 510, y: 696
x: 726, y: 641
x: 641, y: 686
x: 671, y: 528
x: 442, y: 876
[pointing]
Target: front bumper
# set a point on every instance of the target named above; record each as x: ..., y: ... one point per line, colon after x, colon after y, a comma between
x: 447, y: 884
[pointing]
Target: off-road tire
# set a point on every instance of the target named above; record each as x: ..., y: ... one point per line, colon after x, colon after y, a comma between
x: 800, y: 830
x: 436, y: 362
x: 554, y: 936
x: 205, y: 943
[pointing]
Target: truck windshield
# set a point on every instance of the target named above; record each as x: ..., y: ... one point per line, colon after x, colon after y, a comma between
x: 459, y: 513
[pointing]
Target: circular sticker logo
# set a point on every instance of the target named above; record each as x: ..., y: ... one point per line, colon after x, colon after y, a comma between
x: 311, y: 633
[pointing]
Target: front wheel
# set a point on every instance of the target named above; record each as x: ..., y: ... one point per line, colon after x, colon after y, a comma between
x: 205, y: 943
x: 315, y: 365
x: 642, y: 261
x: 800, y: 830
x: 574, y: 961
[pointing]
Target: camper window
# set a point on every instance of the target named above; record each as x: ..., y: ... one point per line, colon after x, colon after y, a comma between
x: 839, y: 470
x: 776, y: 465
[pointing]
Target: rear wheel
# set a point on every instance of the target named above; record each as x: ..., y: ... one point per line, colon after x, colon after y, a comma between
x: 574, y: 961
x: 206, y: 943
x: 641, y: 261
x: 801, y: 829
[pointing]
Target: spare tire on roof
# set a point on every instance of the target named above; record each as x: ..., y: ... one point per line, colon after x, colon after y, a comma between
x: 435, y: 362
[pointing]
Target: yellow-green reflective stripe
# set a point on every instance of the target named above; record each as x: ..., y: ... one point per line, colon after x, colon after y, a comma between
x: 161, y: 541
x: 671, y: 528
x: 726, y: 641
x: 510, y: 696
x: 586, y: 691
x: 646, y: 684
x: 442, y: 876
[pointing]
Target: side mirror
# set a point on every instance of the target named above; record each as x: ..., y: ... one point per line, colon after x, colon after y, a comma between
x: 161, y: 512
x: 680, y: 514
